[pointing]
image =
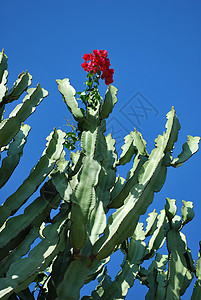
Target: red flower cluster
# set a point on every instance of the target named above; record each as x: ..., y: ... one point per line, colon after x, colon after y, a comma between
x: 99, y: 62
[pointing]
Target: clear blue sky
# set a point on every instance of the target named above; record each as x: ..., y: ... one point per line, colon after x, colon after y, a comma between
x: 155, y: 49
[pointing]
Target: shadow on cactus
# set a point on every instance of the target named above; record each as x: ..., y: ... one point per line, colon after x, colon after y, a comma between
x: 76, y: 244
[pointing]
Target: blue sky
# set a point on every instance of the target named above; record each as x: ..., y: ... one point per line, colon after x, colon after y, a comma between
x: 155, y: 49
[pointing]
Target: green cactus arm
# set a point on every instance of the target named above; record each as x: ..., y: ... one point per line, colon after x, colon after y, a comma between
x: 162, y: 280
x: 78, y: 232
x: 76, y: 163
x: 118, y: 186
x: 107, y: 175
x: 88, y: 142
x: 124, y: 280
x: 105, y: 180
x: 101, y: 144
x: 20, y: 85
x: 84, y: 197
x: 117, y: 229
x: 112, y: 156
x: 137, y: 246
x: 83, y: 201
x: 176, y: 240
x: 18, y: 227
x: 151, y: 223
x: 62, y: 185
x: 109, y: 102
x: 158, y: 237
x: 59, y: 267
x: 72, y: 177
x: 97, y: 222
x: 186, y: 282
x: 187, y: 212
x: 3, y: 88
x: 140, y: 143
x: 188, y: 149
x: 178, y: 276
x: 130, y: 267
x: 9, y: 127
x: 132, y: 176
x: 159, y: 288
x: 62, y: 163
x: 172, y: 129
x: 20, y: 251
x: 84, y: 194
x: 134, y: 143
x: 97, y: 217
x: 170, y: 208
x: 128, y: 150
x: 14, y: 153
x: 74, y: 156
x: 92, y: 119
x: 190, y: 261
x: 151, y: 179
x: 152, y: 285
x: 197, y: 287
x: 74, y: 277
x: 23, y: 272
x: 132, y: 179
x: 3, y: 64
x: 157, y: 278
x: 45, y: 165
x: 90, y: 134
x: 68, y: 94
x: 59, y: 176
x: 96, y: 268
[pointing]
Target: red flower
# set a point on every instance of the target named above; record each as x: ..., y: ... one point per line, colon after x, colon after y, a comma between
x: 98, y: 62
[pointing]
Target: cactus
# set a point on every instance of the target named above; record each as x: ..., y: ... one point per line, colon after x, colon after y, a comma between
x: 14, y: 153
x: 74, y: 247
x: 18, y: 232
x: 197, y: 287
x: 130, y: 198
